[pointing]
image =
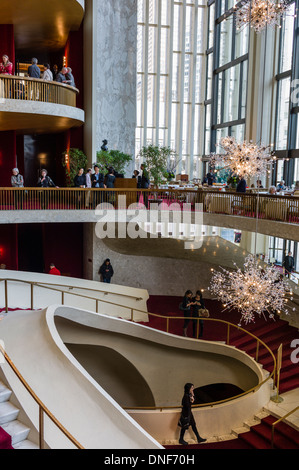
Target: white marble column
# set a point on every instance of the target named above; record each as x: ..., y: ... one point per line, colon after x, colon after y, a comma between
x: 113, y: 71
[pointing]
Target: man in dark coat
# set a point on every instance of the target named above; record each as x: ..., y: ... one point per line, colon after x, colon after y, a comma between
x: 241, y: 187
x: 289, y: 264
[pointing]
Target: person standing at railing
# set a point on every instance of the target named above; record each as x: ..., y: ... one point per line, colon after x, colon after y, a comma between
x: 70, y: 77
x: 145, y: 181
x: 185, y: 306
x: 97, y: 181
x: 88, y: 185
x: 44, y: 181
x: 109, y: 181
x: 17, y: 181
x: 198, y: 305
x: 6, y: 66
x: 241, y: 186
x: 80, y: 182
x: 187, y: 418
x: 288, y: 264
x: 61, y: 76
x: 47, y: 75
x: 33, y: 69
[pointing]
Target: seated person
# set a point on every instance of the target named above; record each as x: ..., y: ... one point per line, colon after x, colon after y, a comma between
x: 281, y: 186
x: 272, y: 190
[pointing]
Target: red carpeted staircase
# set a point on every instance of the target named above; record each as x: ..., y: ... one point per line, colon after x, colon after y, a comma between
x: 5, y: 440
x: 271, y: 332
x: 258, y: 437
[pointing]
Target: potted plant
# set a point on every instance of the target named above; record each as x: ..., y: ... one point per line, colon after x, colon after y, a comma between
x: 156, y: 159
x: 113, y: 158
x: 72, y: 160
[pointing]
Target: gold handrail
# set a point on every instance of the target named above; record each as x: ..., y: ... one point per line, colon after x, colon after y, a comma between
x: 167, y: 318
x: 34, y: 89
x: 252, y: 390
x: 278, y: 208
x: 278, y: 421
x: 42, y: 408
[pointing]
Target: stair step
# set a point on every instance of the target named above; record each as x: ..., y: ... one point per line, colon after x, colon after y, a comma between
x: 5, y: 393
x: 8, y: 412
x: 256, y: 441
x: 17, y: 430
x: 26, y: 444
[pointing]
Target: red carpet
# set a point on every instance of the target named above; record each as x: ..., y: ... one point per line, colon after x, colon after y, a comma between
x: 271, y: 332
x: 5, y: 440
x: 259, y: 437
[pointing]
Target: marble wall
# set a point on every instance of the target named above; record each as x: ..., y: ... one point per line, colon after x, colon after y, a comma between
x: 115, y: 65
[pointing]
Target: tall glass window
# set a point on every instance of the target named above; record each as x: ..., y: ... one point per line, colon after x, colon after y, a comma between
x: 287, y: 99
x: 170, y: 80
x: 226, y: 90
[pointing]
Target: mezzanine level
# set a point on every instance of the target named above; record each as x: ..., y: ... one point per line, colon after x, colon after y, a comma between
x: 275, y: 215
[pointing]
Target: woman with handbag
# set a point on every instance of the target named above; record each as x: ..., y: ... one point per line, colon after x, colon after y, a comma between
x: 185, y: 306
x: 187, y: 418
x: 199, y: 311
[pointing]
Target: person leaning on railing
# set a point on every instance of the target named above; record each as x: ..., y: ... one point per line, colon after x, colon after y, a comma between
x: 17, y: 181
x: 6, y: 66
x: 44, y: 181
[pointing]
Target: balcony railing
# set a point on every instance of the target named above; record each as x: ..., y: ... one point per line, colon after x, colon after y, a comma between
x: 33, y: 89
x: 278, y: 208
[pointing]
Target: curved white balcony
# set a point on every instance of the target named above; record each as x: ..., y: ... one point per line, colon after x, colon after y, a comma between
x: 33, y: 105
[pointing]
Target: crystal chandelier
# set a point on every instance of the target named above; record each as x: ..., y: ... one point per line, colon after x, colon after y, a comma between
x: 258, y: 290
x: 245, y: 159
x: 260, y: 13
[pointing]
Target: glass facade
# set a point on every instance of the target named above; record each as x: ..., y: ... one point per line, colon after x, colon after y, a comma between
x: 287, y: 100
x: 171, y: 45
x: 192, y: 82
x: 226, y: 89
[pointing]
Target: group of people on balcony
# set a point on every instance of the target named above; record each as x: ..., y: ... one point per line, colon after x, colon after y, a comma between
x: 65, y: 75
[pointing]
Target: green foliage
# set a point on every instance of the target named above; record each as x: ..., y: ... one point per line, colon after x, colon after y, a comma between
x: 72, y: 161
x: 112, y: 158
x: 156, y: 160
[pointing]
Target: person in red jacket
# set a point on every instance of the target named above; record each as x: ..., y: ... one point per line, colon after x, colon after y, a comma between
x: 54, y: 270
x: 6, y: 66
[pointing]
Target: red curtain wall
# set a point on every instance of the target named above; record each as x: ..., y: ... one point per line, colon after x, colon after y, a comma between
x: 7, y: 139
x: 7, y: 44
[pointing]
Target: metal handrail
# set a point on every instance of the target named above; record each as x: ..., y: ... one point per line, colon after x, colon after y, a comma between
x: 278, y: 421
x: 211, y: 404
x: 271, y: 207
x: 167, y: 318
x: 42, y: 408
x: 34, y: 89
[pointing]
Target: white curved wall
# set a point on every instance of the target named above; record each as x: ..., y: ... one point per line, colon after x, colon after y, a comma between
x: 36, y: 345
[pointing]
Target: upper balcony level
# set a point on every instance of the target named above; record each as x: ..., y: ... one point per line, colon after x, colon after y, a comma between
x: 30, y: 105
x: 42, y: 25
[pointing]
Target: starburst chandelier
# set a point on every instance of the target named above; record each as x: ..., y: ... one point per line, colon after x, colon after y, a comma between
x: 257, y: 290
x: 261, y: 13
x: 245, y: 159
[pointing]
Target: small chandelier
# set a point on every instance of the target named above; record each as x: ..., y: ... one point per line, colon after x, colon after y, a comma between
x: 260, y: 13
x: 258, y: 290
x: 243, y: 159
